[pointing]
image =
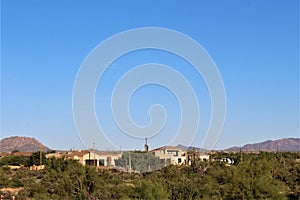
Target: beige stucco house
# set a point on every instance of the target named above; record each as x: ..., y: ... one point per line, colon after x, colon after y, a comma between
x: 90, y: 157
x: 95, y: 158
x: 170, y: 155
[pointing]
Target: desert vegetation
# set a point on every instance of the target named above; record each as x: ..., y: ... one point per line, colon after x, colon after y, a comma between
x: 251, y: 176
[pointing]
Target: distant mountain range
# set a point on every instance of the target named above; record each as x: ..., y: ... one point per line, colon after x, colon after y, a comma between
x: 190, y: 148
x: 27, y: 144
x: 24, y: 144
x: 286, y: 144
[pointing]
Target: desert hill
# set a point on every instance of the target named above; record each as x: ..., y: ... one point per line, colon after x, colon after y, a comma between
x: 24, y: 144
x: 285, y: 144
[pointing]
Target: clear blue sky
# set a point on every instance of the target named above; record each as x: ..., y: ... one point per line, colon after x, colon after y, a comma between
x: 255, y: 45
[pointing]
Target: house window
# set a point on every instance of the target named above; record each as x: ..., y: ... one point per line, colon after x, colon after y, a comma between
x: 90, y: 162
x: 101, y: 162
x: 179, y: 160
x: 174, y: 152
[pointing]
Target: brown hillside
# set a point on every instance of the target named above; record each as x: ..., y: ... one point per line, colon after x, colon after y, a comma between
x: 286, y: 144
x: 24, y: 144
